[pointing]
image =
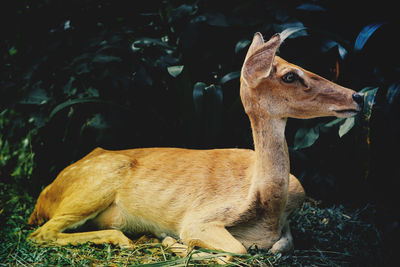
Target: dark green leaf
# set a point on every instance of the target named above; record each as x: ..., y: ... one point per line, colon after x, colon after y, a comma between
x: 369, y: 101
x: 143, y: 76
x: 37, y: 95
x: 329, y: 44
x: 68, y: 89
x: 82, y: 68
x: 71, y: 102
x: 306, y: 137
x: 241, y: 45
x: 89, y: 92
x: 146, y: 42
x: 230, y: 76
x: 291, y: 30
x: 346, y: 126
x: 311, y: 7
x: 198, y: 94
x: 392, y: 93
x: 216, y: 19
x: 215, y: 92
x: 13, y: 51
x: 212, y: 19
x: 105, y: 59
x: 38, y: 120
x: 174, y: 71
x: 97, y: 122
x: 365, y: 34
x: 182, y: 11
x: 327, y: 126
x: 84, y: 57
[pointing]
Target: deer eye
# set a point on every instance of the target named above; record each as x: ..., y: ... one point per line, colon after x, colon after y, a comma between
x: 289, y: 77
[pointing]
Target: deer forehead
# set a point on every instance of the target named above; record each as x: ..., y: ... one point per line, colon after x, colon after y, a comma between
x: 282, y: 66
x: 285, y: 70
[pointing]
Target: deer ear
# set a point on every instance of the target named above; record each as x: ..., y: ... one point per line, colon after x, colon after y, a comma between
x: 257, y: 42
x: 258, y: 63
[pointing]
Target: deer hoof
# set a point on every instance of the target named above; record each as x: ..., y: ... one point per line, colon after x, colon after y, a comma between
x: 283, y: 246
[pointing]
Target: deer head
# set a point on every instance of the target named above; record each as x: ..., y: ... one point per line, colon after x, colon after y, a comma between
x: 271, y: 86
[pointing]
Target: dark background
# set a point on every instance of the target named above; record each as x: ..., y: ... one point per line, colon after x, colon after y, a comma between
x: 80, y: 74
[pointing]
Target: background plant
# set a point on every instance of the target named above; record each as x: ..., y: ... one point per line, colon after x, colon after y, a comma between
x: 79, y: 74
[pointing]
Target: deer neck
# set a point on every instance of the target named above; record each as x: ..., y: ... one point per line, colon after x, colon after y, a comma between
x: 269, y: 184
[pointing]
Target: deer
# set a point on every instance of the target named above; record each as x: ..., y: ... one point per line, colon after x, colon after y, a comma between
x: 220, y: 199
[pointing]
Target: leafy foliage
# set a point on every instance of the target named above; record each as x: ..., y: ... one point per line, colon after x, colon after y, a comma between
x: 119, y: 79
x: 79, y: 74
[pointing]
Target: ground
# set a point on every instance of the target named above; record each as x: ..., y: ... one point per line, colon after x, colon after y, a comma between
x: 324, y: 236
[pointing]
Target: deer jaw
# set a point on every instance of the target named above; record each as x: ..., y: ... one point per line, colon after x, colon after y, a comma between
x: 272, y: 87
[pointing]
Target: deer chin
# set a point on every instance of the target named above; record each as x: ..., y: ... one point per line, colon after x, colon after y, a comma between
x: 345, y: 113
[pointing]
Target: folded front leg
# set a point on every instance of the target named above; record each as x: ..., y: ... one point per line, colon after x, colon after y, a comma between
x: 285, y: 242
x: 212, y: 236
x: 183, y: 251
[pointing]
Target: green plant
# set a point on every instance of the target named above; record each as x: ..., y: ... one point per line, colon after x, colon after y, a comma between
x: 328, y: 236
x: 16, y: 155
x: 80, y: 74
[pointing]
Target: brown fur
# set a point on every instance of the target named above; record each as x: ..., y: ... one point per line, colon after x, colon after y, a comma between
x: 226, y: 199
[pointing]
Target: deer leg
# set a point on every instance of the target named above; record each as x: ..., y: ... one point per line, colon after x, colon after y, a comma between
x: 51, y: 233
x: 114, y: 237
x: 285, y: 242
x: 73, y: 212
x: 296, y: 195
x: 183, y: 251
x: 295, y: 199
x: 211, y: 236
x: 176, y: 247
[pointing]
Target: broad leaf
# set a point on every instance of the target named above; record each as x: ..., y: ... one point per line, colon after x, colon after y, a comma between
x: 174, y: 71
x: 329, y: 44
x: 346, y: 126
x: 198, y: 94
x: 330, y: 124
x: 105, y: 59
x: 82, y: 68
x: 392, y: 93
x: 230, y: 76
x: 291, y: 30
x: 146, y: 42
x: 71, y: 102
x: 365, y: 34
x: 311, y: 7
x: 369, y: 101
x: 97, y: 122
x: 13, y: 51
x: 217, y: 19
x: 306, y: 137
x: 68, y: 89
x: 37, y: 95
x: 212, y: 19
x: 241, y: 45
x: 215, y: 92
x: 181, y: 12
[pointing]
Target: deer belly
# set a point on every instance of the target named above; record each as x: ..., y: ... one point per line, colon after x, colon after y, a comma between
x: 116, y: 217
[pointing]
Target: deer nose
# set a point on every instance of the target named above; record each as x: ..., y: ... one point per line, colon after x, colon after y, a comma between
x: 358, y: 98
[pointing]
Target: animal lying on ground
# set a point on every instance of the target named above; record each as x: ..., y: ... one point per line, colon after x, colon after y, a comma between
x: 222, y: 199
